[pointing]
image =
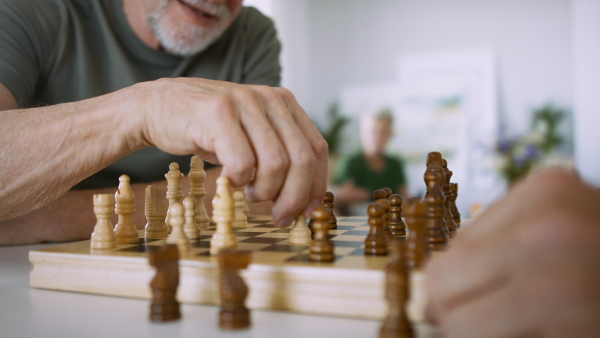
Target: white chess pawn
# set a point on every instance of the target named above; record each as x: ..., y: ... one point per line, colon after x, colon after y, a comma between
x: 300, y: 233
x: 223, y: 216
x: 177, y: 236
x: 104, y: 236
x: 125, y: 229
x: 239, y: 218
x: 191, y: 228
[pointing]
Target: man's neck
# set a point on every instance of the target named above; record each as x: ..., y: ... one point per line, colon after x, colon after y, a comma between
x: 136, y: 17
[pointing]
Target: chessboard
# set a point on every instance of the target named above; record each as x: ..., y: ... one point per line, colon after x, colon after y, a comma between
x: 280, y: 276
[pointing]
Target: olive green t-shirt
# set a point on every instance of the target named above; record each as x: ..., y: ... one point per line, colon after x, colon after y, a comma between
x: 55, y: 51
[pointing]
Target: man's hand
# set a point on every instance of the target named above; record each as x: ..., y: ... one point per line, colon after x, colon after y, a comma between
x: 527, y: 267
x: 260, y: 135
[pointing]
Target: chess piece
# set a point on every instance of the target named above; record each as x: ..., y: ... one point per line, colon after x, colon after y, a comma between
x: 174, y: 192
x: 386, y: 218
x: 379, y: 194
x: 190, y: 228
x: 155, y: 211
x: 453, y: 208
x: 124, y: 207
x: 234, y: 314
x: 388, y: 192
x: 321, y: 248
x: 177, y: 236
x: 396, y: 224
x: 164, y: 306
x: 246, y: 207
x: 396, y: 323
x: 417, y: 253
x: 417, y: 245
x: 435, y: 200
x: 222, y: 216
x: 104, y: 236
x: 197, y: 176
x: 328, y: 202
x: 300, y: 233
x: 376, y: 242
x: 448, y: 212
x: 239, y: 218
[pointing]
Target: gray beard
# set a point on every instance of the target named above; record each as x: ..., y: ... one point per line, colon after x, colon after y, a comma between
x: 184, y: 39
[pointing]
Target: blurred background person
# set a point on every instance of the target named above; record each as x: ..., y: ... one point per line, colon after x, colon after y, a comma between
x: 362, y: 172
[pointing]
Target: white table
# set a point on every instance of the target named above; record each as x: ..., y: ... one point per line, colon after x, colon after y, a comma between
x: 29, y: 312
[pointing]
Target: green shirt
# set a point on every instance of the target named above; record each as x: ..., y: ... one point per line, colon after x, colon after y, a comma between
x: 55, y: 51
x: 354, y: 168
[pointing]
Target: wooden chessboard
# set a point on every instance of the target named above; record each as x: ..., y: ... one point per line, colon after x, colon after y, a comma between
x: 280, y: 277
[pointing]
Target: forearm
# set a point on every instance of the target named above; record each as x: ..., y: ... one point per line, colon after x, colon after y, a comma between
x: 47, y: 150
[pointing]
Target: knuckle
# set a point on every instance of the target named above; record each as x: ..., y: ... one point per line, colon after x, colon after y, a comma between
x: 305, y: 159
x: 277, y: 164
x: 320, y: 146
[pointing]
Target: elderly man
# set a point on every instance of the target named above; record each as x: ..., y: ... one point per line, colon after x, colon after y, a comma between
x: 87, y: 87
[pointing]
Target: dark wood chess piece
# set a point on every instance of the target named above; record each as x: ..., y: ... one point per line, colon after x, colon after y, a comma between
x: 435, y: 200
x: 328, y: 202
x: 386, y: 218
x: 233, y: 315
x: 396, y: 323
x: 396, y: 224
x: 164, y: 306
x: 448, y: 212
x: 453, y: 208
x: 376, y: 242
x: 379, y: 194
x: 417, y: 244
x: 388, y: 192
x: 321, y: 248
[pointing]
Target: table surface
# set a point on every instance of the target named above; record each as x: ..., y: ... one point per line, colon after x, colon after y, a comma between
x: 30, y: 312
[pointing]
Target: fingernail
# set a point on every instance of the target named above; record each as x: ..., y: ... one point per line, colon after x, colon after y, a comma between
x: 285, y: 222
x: 311, y: 207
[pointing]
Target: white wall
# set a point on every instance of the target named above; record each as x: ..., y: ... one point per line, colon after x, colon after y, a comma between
x: 357, y: 41
x: 586, y: 55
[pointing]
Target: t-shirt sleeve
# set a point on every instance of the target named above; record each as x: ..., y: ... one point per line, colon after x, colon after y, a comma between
x: 262, y: 62
x: 19, y: 69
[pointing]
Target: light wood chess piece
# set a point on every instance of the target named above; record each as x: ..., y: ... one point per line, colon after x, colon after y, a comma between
x: 239, y: 218
x: 191, y: 228
x: 300, y: 233
x: 197, y: 176
x: 177, y: 236
x: 222, y: 216
x: 104, y: 236
x: 125, y: 229
x: 174, y: 192
x: 156, y: 212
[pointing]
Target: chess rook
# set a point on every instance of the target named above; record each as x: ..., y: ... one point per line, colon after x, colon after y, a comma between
x: 417, y: 244
x: 156, y: 212
x: 125, y: 229
x: 233, y: 315
x: 104, y: 236
x: 164, y: 306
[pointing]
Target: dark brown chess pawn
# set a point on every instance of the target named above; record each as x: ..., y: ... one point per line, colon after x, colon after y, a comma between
x: 388, y: 192
x: 453, y: 208
x: 396, y: 224
x: 435, y: 200
x: 417, y: 245
x: 376, y: 242
x: 386, y: 217
x: 234, y: 314
x: 164, y: 306
x: 379, y: 194
x: 396, y: 323
x: 321, y: 248
x: 448, y: 212
x: 328, y: 202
